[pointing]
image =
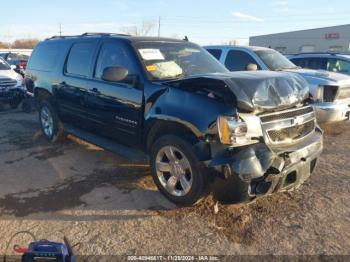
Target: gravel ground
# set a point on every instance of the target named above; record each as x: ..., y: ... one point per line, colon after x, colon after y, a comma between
x: 106, y: 205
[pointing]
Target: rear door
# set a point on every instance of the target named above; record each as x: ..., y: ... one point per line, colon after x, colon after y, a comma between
x: 72, y: 91
x: 115, y: 109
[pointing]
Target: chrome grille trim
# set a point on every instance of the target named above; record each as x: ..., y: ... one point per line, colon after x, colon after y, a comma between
x: 288, y: 122
x: 7, y: 83
x: 286, y: 114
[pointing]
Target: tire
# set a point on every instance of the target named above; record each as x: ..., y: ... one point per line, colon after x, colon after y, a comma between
x: 15, y: 103
x: 56, y: 132
x: 27, y: 107
x: 180, y: 179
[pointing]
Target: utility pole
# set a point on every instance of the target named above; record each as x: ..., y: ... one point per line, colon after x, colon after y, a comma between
x: 159, y: 25
x: 60, y: 32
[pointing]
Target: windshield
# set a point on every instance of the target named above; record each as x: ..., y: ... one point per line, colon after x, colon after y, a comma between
x: 174, y: 60
x: 4, y: 65
x: 274, y: 60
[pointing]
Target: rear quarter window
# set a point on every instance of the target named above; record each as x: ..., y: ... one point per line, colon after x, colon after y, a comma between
x: 44, y: 57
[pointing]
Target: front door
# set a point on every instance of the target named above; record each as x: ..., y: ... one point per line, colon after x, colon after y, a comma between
x: 115, y: 108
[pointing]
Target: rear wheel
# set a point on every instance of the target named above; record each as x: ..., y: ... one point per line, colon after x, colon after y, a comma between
x: 51, y: 126
x: 176, y: 171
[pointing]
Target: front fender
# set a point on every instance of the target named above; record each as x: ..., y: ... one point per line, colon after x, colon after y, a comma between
x: 195, y: 111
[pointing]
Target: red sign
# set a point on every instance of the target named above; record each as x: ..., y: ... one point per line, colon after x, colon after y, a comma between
x: 332, y: 36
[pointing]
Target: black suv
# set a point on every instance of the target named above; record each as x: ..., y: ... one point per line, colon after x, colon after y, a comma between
x: 247, y: 133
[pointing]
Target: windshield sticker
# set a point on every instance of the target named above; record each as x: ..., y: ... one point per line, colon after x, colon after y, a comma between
x: 151, y: 54
x: 151, y: 68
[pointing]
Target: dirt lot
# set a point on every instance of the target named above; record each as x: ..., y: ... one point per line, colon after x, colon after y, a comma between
x: 106, y: 205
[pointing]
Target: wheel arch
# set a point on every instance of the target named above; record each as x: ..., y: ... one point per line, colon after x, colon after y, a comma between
x: 161, y: 126
x: 41, y: 94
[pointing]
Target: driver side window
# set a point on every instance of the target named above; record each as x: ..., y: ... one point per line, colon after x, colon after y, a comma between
x: 238, y: 60
x: 112, y: 54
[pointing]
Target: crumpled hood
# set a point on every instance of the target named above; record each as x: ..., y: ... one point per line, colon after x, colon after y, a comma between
x: 257, y: 91
x: 322, y: 76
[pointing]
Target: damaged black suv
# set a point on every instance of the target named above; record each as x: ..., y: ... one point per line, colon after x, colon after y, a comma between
x: 241, y: 135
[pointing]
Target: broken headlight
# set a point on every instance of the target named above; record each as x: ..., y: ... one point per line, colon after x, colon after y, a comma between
x: 233, y: 131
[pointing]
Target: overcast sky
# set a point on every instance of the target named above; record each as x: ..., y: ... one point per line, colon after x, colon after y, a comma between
x: 203, y: 21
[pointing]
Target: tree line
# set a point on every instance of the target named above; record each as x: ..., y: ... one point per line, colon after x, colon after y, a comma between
x: 20, y: 44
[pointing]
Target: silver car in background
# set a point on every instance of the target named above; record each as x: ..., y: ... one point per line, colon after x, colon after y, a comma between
x: 330, y: 91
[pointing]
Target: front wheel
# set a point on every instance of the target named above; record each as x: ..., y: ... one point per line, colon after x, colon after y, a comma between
x: 15, y: 103
x: 51, y: 126
x: 176, y: 171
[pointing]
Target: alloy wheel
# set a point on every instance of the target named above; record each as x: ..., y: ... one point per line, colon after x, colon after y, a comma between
x: 174, y: 171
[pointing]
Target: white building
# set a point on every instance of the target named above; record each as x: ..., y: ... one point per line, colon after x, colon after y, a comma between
x: 17, y: 51
x: 334, y: 39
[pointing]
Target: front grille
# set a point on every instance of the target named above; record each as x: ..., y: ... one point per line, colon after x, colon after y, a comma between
x: 288, y: 126
x: 292, y: 133
x: 344, y: 93
x: 6, y: 83
x: 286, y: 114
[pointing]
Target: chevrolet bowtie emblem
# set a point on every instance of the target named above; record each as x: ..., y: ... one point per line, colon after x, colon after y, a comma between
x: 297, y: 121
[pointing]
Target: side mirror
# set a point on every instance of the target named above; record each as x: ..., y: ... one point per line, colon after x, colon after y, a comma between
x: 252, y: 67
x: 13, y: 67
x: 115, y: 74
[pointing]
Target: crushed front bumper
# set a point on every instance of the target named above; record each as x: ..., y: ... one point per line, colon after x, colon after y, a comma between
x: 257, y: 170
x: 332, y: 112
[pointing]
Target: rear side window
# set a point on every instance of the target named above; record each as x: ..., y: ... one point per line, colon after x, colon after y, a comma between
x: 238, y: 60
x: 215, y: 52
x: 44, y: 57
x: 80, y: 59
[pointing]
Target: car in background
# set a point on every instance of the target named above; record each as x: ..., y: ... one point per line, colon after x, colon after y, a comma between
x: 330, y: 91
x: 17, y: 61
x: 339, y: 63
x: 12, y: 88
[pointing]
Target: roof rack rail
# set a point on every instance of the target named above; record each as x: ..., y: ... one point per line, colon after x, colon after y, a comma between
x: 318, y: 53
x: 85, y: 35
x: 104, y: 34
x: 61, y: 37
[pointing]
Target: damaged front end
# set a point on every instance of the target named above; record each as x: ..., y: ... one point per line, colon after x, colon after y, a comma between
x: 273, y: 141
x: 282, y: 160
